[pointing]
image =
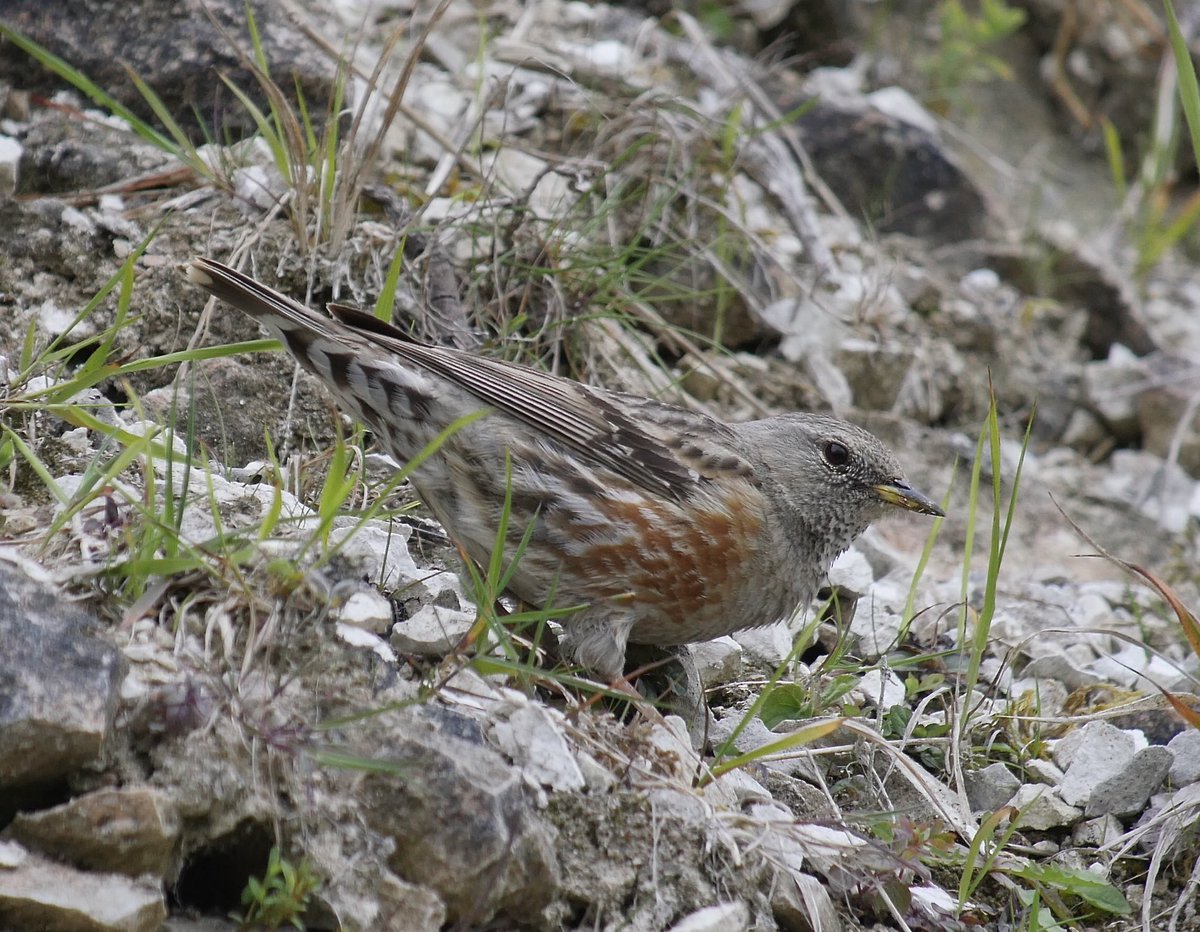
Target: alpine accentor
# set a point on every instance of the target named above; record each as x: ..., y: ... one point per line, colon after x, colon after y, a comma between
x: 667, y: 526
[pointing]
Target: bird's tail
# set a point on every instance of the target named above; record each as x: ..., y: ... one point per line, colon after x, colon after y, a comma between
x: 279, y: 313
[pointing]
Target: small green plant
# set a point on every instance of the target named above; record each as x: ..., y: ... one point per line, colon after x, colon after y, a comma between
x: 280, y: 897
x: 962, y: 56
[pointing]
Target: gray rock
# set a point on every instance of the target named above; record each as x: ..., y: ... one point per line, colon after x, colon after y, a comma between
x: 1111, y: 387
x: 131, y: 830
x: 58, y: 682
x: 455, y: 808
x: 991, y: 787
x: 754, y: 736
x: 176, y: 51
x: 1097, y: 832
x: 718, y: 661
x: 801, y: 902
x: 897, y: 174
x: 1166, y: 416
x: 42, y: 894
x: 1125, y: 793
x: 806, y: 802
x: 422, y: 909
x: 1058, y: 665
x: 1045, y: 771
x: 1043, y: 809
x: 875, y: 372
x: 1185, y: 768
x: 1091, y: 755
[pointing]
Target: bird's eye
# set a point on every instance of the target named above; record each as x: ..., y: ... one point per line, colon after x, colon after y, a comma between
x: 836, y: 454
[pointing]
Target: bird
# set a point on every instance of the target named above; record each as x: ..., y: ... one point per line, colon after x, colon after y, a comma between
x: 662, y: 525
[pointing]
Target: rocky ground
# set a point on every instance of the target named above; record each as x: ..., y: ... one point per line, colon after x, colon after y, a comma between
x: 211, y: 650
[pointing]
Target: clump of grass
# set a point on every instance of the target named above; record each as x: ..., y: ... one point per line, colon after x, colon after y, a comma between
x: 323, y: 169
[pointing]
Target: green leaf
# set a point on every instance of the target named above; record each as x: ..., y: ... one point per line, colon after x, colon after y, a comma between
x: 786, y: 702
x: 1189, y: 91
x: 1089, y: 887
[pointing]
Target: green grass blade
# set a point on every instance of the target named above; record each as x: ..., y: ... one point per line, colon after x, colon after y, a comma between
x: 1189, y: 90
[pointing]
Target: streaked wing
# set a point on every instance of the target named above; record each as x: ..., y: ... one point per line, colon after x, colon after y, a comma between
x: 662, y: 448
x: 661, y: 453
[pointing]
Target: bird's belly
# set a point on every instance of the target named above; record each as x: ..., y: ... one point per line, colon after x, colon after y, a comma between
x: 703, y: 616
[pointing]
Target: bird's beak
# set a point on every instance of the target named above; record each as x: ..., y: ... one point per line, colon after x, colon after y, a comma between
x: 900, y: 495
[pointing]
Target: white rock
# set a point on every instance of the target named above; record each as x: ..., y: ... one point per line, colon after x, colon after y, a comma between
x: 1131, y: 666
x: 733, y: 788
x: 432, y: 631
x: 48, y: 895
x: 768, y: 645
x: 532, y: 736
x: 980, y: 281
x: 442, y: 102
x: 1091, y: 610
x: 365, y: 608
x: 522, y: 173
x: 77, y: 220
x: 381, y: 549
x: 876, y: 628
x: 1161, y: 491
x: 1042, y: 808
x: 835, y: 83
x: 55, y: 319
x: 11, y: 854
x: 724, y: 917
x: 900, y: 105
x: 1112, y: 385
x: 606, y: 56
x: 671, y: 739
x: 10, y: 161
x: 258, y: 185
x: 1058, y: 665
x: 798, y: 762
x: 880, y: 688
x: 934, y: 902
x: 767, y: 14
x: 852, y: 570
x: 1045, y: 771
x: 1048, y: 696
x: 360, y: 637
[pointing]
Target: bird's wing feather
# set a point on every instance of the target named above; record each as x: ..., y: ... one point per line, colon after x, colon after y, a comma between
x: 671, y: 453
